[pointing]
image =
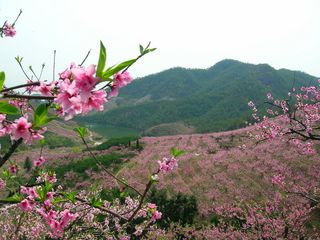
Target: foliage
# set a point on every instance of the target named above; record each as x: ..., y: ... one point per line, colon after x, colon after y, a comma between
x: 178, y: 208
x: 123, y: 141
x: 80, y: 166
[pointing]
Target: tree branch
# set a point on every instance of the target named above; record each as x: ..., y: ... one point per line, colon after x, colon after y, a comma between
x: 12, y: 149
x: 20, y: 86
x: 107, y: 171
x: 28, y: 96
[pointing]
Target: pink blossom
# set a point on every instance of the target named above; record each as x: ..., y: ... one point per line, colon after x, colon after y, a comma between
x: 119, y: 80
x: 36, y: 135
x: 278, y: 180
x: 66, y: 74
x: 52, y: 178
x: 155, y: 216
x: 13, y: 169
x: 151, y: 205
x: 31, y: 192
x: 114, y: 92
x: 84, y: 79
x: 76, y: 94
x: 31, y: 88
x: 21, y: 129
x: 39, y: 161
x: 8, y: 30
x: 122, y: 79
x: 138, y: 231
x: 125, y: 237
x: 2, y: 117
x: 95, y: 101
x: 167, y: 165
x: 66, y: 217
x: 26, y: 205
x: 45, y: 89
x: 49, y: 195
x: 58, y: 221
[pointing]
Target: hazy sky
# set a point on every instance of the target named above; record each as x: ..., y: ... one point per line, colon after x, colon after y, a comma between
x: 189, y: 33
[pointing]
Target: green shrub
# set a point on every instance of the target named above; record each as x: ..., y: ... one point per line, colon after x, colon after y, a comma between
x: 123, y: 141
x: 179, y: 208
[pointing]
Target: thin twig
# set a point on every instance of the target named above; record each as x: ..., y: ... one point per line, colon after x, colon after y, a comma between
x: 31, y: 69
x: 83, y: 61
x: 102, y: 209
x: 17, y: 18
x: 148, y: 186
x: 106, y: 170
x: 41, y: 70
x: 305, y: 196
x: 54, y: 65
x: 24, y: 72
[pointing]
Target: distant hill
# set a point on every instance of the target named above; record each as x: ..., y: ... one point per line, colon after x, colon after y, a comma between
x: 204, y: 100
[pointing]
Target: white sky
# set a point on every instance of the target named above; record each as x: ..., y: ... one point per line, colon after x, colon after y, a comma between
x: 189, y: 33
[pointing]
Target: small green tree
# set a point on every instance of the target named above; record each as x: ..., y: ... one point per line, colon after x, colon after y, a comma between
x: 27, y: 164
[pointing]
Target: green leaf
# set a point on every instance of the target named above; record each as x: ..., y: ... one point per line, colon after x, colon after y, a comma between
x: 141, y: 49
x: 48, y: 186
x: 41, y: 112
x: 102, y: 60
x: 5, y: 173
x: 176, y: 153
x: 81, y: 131
x: 42, y: 194
x: 7, y: 108
x: 57, y: 200
x: 16, y: 198
x: 71, y: 196
x: 40, y: 117
x: 2, y: 78
x: 96, y: 202
x: 18, y: 59
x: 113, y: 70
x: 151, y: 50
x: 42, y: 142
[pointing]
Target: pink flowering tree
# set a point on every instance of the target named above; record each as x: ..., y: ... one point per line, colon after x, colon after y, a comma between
x: 295, y: 121
x: 43, y: 208
x: 7, y: 29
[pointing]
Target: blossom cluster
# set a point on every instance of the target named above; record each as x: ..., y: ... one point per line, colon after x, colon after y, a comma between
x: 75, y: 92
x: 20, y: 128
x: 294, y: 119
x: 8, y: 30
x: 167, y: 165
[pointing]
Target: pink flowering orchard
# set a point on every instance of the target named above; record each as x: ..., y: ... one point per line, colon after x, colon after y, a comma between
x: 245, y: 190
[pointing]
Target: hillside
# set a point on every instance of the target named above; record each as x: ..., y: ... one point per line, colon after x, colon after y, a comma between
x: 213, y: 99
x: 217, y: 171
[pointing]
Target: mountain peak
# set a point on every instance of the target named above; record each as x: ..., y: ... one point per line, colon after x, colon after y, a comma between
x: 224, y: 64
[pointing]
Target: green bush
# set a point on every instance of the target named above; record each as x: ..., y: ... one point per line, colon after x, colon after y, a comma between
x: 123, y: 141
x: 80, y: 166
x: 179, y: 208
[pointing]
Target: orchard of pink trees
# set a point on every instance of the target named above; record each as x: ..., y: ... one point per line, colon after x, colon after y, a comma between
x: 261, y: 182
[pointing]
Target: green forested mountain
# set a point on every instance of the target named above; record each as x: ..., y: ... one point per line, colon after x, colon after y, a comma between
x: 200, y: 100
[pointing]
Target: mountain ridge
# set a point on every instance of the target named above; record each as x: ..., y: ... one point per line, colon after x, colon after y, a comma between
x: 212, y: 99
